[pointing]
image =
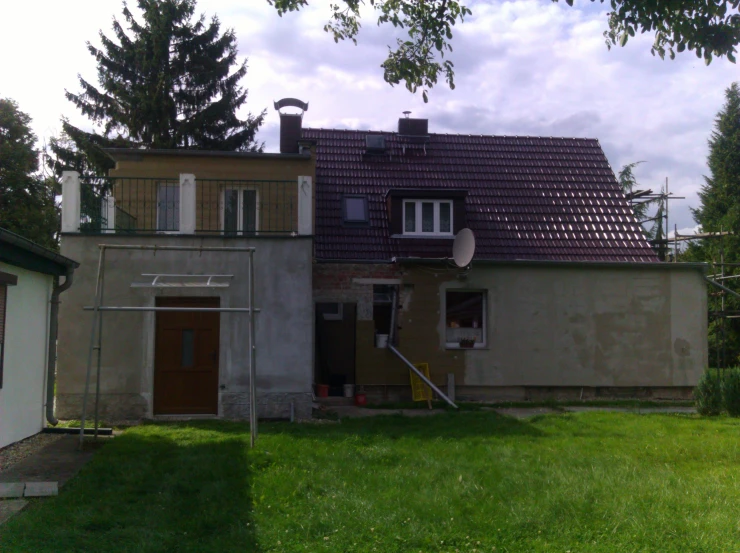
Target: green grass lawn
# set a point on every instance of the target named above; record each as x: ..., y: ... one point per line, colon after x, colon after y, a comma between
x: 470, y: 481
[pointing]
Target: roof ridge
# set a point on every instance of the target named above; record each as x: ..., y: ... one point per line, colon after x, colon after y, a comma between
x: 366, y: 131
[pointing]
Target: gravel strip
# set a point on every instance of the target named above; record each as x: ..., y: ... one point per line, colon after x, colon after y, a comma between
x: 18, y: 451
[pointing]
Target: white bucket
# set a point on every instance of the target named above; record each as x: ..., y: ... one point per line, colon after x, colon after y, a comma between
x: 349, y: 390
x: 381, y: 340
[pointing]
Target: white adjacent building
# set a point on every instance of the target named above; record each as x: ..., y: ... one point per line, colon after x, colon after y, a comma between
x: 27, y: 325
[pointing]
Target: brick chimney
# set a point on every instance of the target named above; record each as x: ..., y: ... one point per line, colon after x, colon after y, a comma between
x: 413, y: 127
x: 290, y: 124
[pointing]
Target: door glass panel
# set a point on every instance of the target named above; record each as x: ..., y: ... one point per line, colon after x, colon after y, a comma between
x: 427, y: 217
x: 409, y: 217
x: 231, y: 210
x: 188, y: 348
x: 444, y: 217
x: 249, y: 210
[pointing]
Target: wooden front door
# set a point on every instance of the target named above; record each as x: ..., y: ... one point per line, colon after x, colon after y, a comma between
x: 186, y: 358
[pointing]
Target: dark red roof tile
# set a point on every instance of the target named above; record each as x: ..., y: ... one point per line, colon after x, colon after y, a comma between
x: 528, y: 197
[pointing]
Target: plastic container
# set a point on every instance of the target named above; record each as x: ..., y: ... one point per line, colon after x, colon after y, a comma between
x: 381, y: 340
x: 349, y: 390
x: 322, y: 390
x: 360, y: 399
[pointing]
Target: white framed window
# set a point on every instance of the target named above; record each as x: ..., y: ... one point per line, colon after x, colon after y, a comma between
x: 427, y: 217
x: 465, y: 319
x: 240, y: 212
x: 168, y: 207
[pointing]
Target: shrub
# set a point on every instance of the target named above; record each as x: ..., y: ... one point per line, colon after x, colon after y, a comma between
x: 731, y: 391
x: 708, y: 394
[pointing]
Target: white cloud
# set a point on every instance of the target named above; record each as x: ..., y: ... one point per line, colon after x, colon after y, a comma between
x: 527, y: 67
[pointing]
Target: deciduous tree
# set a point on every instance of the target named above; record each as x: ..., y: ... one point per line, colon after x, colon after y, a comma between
x: 710, y: 28
x: 719, y: 210
x: 27, y: 199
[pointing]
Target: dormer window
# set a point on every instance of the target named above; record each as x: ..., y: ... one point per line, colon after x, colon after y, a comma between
x: 427, y: 217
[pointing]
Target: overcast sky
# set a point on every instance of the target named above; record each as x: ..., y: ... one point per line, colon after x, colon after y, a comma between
x: 529, y: 67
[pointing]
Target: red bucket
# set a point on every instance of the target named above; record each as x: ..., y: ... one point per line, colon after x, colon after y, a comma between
x: 360, y: 399
x: 322, y: 390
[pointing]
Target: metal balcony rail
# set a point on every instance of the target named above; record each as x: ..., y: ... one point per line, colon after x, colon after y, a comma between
x: 152, y: 205
x: 246, y: 207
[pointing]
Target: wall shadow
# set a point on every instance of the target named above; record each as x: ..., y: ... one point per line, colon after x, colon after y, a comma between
x: 149, y: 491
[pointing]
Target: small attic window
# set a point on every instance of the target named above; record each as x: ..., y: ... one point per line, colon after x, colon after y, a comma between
x: 355, y: 210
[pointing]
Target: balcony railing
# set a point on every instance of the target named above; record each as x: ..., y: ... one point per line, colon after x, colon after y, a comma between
x: 218, y: 206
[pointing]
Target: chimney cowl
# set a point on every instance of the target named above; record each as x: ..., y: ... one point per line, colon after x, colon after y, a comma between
x: 291, y: 125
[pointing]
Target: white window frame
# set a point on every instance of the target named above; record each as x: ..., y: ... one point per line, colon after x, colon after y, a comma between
x: 161, y: 185
x: 240, y: 209
x: 484, y: 319
x: 418, y: 227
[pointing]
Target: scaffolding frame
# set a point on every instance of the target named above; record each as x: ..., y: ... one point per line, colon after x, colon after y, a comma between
x: 97, y: 324
x: 714, y: 279
x: 663, y: 197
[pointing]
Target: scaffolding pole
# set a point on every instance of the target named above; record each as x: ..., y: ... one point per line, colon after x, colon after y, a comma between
x: 100, y: 344
x: 96, y: 312
x: 252, y: 358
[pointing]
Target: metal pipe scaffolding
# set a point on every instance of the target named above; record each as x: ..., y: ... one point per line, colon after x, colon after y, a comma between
x: 97, y: 324
x: 174, y: 248
x: 188, y: 309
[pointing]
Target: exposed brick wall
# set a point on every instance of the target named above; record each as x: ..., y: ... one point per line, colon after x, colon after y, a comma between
x: 339, y: 276
x: 336, y: 282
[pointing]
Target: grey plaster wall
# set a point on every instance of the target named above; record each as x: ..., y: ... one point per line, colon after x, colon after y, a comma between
x: 284, y: 329
x: 580, y: 326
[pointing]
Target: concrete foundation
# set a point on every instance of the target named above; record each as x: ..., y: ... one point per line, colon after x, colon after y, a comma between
x: 385, y: 394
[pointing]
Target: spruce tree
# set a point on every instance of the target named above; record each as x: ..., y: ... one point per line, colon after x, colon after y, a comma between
x: 641, y: 208
x: 719, y: 210
x: 27, y: 205
x: 171, y: 80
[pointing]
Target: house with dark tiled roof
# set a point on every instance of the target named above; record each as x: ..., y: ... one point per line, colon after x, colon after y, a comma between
x: 564, y: 296
x: 352, y: 235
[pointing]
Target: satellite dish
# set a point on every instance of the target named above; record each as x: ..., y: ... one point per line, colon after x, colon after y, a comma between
x: 463, y: 248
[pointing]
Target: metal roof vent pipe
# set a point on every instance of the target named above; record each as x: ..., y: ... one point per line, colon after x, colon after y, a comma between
x: 290, y: 124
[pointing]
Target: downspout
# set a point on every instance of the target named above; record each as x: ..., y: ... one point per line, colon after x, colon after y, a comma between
x: 52, y: 351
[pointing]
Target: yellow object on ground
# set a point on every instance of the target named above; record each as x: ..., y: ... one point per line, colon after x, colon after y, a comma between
x: 419, y: 390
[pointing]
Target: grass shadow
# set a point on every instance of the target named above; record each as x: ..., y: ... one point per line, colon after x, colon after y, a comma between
x: 153, y: 489
x: 452, y: 425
